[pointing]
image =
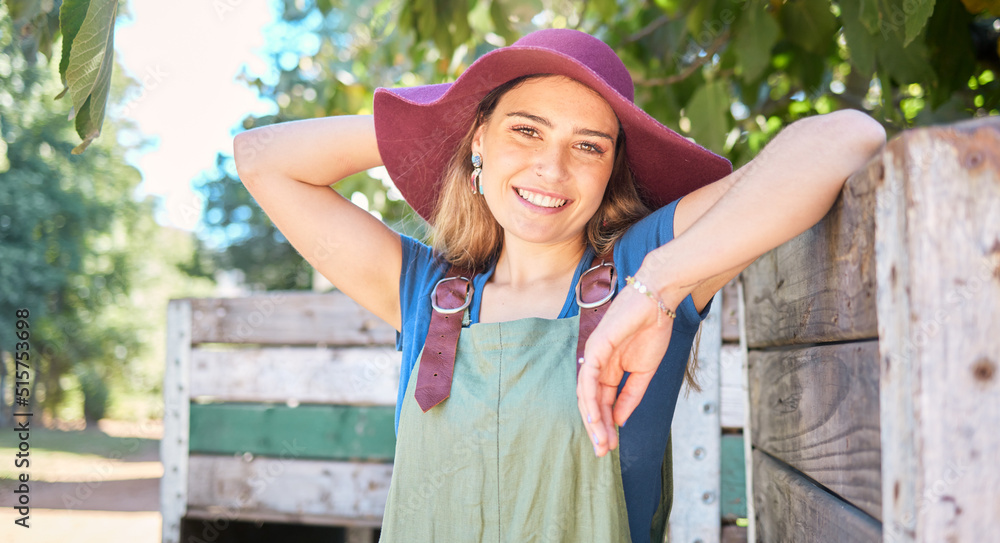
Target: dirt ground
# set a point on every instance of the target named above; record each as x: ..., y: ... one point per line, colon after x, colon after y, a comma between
x: 86, y: 498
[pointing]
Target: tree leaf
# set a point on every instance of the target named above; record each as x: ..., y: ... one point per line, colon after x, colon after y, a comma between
x: 861, y: 44
x: 949, y: 45
x: 868, y: 13
x: 89, y: 70
x: 809, y: 24
x: 71, y: 16
x: 909, y: 64
x: 708, y: 110
x: 91, y: 46
x: 917, y: 14
x: 501, y: 22
x: 754, y: 36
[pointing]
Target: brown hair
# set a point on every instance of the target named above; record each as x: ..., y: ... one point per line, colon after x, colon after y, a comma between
x: 467, y: 235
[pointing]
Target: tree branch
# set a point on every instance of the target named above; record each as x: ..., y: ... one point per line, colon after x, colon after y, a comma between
x: 713, y: 48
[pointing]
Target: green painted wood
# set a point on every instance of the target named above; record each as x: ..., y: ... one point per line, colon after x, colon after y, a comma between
x: 733, y: 478
x: 334, y: 432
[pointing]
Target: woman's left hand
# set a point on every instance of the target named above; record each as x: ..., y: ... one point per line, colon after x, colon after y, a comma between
x: 628, y: 338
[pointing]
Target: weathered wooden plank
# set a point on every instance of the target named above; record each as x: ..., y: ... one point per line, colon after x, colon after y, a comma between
x: 730, y: 310
x: 316, y: 431
x: 734, y: 534
x: 732, y: 386
x: 789, y: 507
x: 288, y: 489
x: 748, y: 430
x: 816, y: 409
x: 288, y: 318
x: 938, y: 268
x: 360, y: 535
x: 349, y: 375
x: 695, y: 441
x: 820, y: 285
x: 174, y: 445
x: 733, y: 481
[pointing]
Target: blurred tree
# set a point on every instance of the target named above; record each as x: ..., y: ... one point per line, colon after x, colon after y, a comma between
x: 728, y: 73
x: 71, y: 237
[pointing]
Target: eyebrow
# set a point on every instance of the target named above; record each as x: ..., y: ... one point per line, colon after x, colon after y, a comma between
x: 545, y: 122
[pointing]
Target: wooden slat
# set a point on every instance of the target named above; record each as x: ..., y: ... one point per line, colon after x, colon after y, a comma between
x: 288, y: 490
x: 350, y: 375
x: 732, y: 480
x: 938, y: 247
x: 816, y: 409
x: 314, y: 431
x: 288, y: 318
x: 730, y: 310
x: 741, y: 314
x: 174, y: 445
x: 732, y: 386
x: 791, y: 508
x: 734, y: 534
x: 695, y: 441
x: 820, y: 285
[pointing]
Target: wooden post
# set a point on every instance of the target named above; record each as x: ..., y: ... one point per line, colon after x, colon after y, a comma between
x: 938, y: 275
x: 695, y: 432
x: 176, y: 405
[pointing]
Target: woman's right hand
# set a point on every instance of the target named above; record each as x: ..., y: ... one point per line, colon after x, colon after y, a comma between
x: 288, y: 169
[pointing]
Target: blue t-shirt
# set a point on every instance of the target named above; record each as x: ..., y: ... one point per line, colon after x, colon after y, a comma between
x: 643, y: 440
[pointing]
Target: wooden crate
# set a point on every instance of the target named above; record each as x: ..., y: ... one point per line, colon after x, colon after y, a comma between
x: 873, y: 344
x: 278, y: 407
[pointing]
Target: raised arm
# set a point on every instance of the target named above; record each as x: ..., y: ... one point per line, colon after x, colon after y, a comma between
x: 786, y: 189
x: 289, y: 167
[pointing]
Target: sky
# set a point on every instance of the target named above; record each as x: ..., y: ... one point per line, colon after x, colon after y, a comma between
x: 186, y: 55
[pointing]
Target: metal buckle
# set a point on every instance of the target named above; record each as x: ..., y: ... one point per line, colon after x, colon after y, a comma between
x: 468, y: 296
x: 604, y: 300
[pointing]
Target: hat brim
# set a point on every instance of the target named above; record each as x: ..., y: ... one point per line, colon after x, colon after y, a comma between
x: 418, y: 129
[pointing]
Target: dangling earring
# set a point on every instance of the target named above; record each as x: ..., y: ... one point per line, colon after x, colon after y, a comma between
x: 477, y: 164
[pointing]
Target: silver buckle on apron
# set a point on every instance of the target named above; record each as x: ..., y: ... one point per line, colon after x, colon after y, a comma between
x: 611, y: 291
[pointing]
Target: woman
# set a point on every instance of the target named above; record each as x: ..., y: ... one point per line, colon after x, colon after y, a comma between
x: 549, y: 191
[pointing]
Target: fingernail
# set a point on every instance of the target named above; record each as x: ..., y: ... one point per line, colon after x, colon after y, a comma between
x: 589, y: 419
x: 595, y: 439
x: 623, y: 424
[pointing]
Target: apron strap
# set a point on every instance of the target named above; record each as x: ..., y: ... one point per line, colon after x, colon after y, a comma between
x: 453, y: 294
x: 593, y: 292
x: 437, y: 363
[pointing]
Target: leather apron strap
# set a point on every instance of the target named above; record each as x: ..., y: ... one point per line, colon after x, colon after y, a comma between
x: 593, y: 292
x: 453, y: 294
x: 437, y: 364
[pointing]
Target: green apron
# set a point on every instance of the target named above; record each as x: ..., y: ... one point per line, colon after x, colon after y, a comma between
x: 506, y: 456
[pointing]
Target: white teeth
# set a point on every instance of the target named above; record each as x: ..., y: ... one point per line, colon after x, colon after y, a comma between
x: 540, y: 200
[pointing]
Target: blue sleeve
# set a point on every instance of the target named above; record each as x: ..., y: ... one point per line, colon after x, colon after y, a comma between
x: 420, y: 271
x: 653, y: 231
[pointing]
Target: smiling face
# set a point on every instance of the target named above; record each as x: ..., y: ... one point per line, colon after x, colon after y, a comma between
x: 548, y: 152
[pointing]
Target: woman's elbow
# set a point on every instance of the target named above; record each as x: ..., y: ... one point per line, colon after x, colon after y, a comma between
x: 246, y: 149
x: 862, y: 134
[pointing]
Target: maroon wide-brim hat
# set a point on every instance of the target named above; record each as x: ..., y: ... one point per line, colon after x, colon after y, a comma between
x: 418, y: 128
